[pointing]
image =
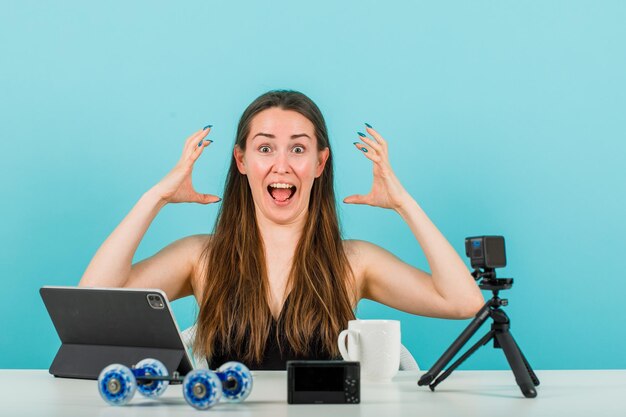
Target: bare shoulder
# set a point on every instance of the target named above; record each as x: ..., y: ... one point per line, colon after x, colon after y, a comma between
x: 362, y: 253
x: 358, y: 250
x: 196, y: 245
x: 171, y: 269
x: 359, y: 253
x: 352, y: 249
x: 374, y: 268
x: 197, y: 241
x: 191, y: 247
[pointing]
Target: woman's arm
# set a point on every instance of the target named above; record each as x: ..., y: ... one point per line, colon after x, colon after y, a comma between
x: 450, y: 291
x: 111, y: 265
x: 172, y: 268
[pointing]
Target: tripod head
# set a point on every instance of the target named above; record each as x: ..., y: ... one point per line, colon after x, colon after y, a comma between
x: 488, y: 280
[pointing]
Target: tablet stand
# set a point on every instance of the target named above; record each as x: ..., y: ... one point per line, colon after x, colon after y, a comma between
x: 86, y: 361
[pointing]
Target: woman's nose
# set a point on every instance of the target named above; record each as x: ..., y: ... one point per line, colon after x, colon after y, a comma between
x: 281, y: 163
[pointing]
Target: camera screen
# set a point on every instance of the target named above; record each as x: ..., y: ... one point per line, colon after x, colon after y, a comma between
x: 318, y: 378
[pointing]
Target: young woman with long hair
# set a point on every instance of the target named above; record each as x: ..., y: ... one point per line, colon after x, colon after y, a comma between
x: 275, y: 281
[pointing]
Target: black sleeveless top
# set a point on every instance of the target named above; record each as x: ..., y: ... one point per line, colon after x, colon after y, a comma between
x: 275, y: 357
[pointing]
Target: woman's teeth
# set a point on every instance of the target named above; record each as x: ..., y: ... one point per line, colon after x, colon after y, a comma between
x: 281, y: 185
x: 281, y: 191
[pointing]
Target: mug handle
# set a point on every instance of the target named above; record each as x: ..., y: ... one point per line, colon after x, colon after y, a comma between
x: 341, y: 340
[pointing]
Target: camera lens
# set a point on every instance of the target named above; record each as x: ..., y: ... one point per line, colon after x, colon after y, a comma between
x: 155, y: 301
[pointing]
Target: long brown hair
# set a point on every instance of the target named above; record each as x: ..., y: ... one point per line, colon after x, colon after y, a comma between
x: 234, y: 307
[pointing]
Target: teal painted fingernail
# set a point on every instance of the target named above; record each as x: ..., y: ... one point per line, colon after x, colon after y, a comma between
x: 209, y: 140
x: 206, y: 127
x: 368, y: 125
x: 361, y: 134
x: 200, y: 143
x: 358, y: 143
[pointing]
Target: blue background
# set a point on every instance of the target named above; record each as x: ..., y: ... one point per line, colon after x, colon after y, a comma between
x: 502, y: 118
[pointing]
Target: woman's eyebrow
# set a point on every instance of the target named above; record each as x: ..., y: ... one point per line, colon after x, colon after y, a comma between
x: 269, y: 135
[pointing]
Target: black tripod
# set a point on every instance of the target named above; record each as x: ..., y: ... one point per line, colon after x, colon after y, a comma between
x: 502, y: 338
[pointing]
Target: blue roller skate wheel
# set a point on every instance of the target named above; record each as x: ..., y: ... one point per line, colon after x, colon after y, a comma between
x: 202, y: 388
x: 153, y: 367
x: 117, y: 384
x: 236, y: 381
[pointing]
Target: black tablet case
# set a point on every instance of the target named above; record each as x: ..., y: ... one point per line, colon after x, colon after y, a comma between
x: 98, y: 327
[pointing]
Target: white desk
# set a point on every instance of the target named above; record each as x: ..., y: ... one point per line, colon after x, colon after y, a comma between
x: 25, y: 393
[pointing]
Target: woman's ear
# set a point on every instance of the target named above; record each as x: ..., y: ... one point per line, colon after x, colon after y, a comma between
x: 238, y: 154
x: 322, y: 157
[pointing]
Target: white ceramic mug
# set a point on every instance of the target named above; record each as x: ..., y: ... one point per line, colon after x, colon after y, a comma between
x: 374, y: 343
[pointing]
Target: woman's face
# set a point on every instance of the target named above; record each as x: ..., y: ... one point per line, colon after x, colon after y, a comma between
x: 281, y: 162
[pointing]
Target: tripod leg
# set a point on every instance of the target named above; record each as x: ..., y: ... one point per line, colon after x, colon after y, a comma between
x: 483, y: 341
x: 532, y: 374
x: 447, y: 356
x: 517, y: 363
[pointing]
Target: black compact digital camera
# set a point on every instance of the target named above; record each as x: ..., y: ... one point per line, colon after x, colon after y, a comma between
x: 323, y: 382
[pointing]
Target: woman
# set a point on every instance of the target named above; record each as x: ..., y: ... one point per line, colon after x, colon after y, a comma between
x: 275, y: 281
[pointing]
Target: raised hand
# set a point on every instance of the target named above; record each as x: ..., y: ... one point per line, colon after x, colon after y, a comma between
x: 176, y: 186
x: 387, y: 192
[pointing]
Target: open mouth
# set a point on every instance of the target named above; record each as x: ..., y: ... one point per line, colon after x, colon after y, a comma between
x: 281, y: 192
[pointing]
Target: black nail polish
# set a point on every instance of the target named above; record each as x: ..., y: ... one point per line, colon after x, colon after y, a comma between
x: 361, y: 134
x: 206, y: 127
x: 368, y: 125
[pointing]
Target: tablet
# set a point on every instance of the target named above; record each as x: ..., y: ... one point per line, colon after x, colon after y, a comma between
x: 101, y: 326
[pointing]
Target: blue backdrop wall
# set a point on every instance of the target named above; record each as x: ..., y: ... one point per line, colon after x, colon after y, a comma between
x: 502, y: 118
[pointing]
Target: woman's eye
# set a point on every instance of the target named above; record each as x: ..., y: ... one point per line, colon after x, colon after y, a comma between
x: 298, y: 149
x: 262, y: 149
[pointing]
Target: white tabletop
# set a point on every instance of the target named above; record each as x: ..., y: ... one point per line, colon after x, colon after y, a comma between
x: 473, y: 393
